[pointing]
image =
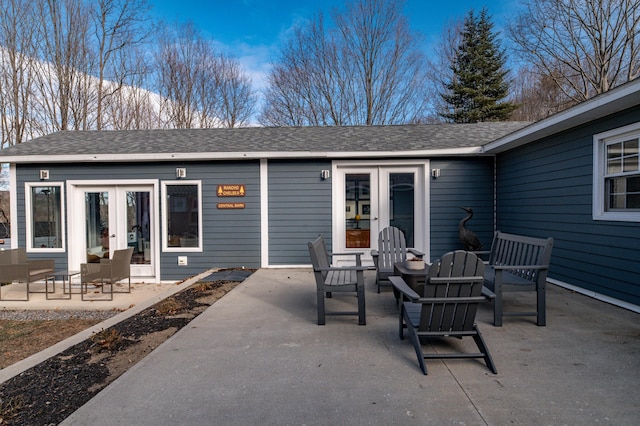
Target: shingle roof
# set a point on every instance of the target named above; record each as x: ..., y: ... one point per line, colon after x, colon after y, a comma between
x: 255, y: 140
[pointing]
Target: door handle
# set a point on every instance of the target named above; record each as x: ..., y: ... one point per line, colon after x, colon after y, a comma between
x: 113, y: 235
x: 375, y: 218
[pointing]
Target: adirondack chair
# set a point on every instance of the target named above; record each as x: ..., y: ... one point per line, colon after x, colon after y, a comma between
x: 448, y: 307
x: 392, y: 248
x: 330, y: 279
x: 108, y: 272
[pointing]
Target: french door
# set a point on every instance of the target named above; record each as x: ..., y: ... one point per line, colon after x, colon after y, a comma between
x: 368, y: 199
x: 116, y: 217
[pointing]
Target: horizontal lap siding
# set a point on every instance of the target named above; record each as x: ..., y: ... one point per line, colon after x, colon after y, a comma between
x: 466, y: 182
x: 231, y: 237
x: 299, y: 209
x: 545, y: 189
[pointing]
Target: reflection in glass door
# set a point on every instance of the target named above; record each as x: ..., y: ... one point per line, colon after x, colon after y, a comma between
x: 375, y: 197
x: 401, y: 200
x: 97, y: 236
x: 139, y: 232
x: 116, y: 218
x: 358, y: 210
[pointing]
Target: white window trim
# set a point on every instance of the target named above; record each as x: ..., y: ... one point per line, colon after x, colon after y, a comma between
x: 599, y: 142
x: 165, y: 215
x: 29, y: 222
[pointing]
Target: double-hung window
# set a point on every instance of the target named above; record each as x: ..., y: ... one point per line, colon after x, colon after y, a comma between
x: 617, y: 174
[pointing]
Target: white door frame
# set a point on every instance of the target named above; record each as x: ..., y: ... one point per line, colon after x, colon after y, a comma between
x: 76, y: 233
x: 382, y: 170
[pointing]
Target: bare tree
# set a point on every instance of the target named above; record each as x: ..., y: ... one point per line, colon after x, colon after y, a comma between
x: 200, y: 87
x: 537, y: 95
x: 369, y: 70
x: 18, y: 39
x: 63, y: 77
x: 585, y: 47
x: 119, y: 27
x: 181, y: 61
x: 236, y: 99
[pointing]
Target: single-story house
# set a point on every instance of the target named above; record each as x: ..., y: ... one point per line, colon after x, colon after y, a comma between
x: 188, y: 200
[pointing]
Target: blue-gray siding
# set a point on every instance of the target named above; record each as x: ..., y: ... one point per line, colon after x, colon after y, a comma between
x: 466, y: 182
x: 545, y: 189
x: 231, y: 237
x: 299, y: 209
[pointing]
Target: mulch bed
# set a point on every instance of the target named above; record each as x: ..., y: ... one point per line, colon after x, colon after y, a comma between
x: 49, y: 392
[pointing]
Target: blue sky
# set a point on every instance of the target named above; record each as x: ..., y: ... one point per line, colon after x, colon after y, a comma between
x: 252, y: 30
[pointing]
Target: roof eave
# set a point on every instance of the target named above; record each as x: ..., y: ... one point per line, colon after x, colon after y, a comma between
x: 231, y: 156
x: 615, y: 100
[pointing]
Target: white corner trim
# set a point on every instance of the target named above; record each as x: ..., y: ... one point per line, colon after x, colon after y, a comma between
x: 264, y: 213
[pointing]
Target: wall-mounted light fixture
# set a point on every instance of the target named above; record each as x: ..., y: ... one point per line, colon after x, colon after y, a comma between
x: 325, y: 174
x: 44, y: 174
x: 181, y: 172
x: 435, y: 173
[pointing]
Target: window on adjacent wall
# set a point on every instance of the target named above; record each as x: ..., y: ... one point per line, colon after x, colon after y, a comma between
x: 182, y: 224
x: 617, y: 174
x: 45, y: 217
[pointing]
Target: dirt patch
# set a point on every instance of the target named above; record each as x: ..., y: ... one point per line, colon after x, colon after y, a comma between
x: 49, y: 392
x: 21, y: 339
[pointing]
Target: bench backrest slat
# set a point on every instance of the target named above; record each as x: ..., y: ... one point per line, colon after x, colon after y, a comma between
x: 512, y: 250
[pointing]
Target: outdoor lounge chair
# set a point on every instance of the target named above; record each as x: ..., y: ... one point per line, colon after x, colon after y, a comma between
x: 392, y: 248
x: 108, y: 272
x: 448, y: 307
x: 16, y: 266
x: 345, y: 279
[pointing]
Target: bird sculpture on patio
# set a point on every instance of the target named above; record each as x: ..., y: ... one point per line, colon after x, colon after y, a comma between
x: 468, y: 238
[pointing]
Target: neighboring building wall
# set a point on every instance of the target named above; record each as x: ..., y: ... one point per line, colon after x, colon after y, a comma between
x: 299, y: 209
x: 545, y: 189
x: 466, y: 182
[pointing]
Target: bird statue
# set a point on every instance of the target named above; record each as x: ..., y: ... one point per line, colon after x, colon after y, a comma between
x: 468, y: 238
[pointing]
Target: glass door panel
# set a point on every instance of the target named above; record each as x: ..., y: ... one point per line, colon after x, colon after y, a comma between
x: 137, y: 225
x: 402, y: 204
x: 358, y: 210
x: 97, y: 226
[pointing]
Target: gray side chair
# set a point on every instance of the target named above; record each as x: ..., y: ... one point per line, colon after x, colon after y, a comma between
x: 108, y: 272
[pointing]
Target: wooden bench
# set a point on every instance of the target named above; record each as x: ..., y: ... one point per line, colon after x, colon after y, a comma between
x: 330, y: 279
x: 518, y: 263
x: 15, y: 266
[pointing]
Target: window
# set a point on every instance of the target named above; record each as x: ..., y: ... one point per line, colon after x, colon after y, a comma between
x: 617, y: 174
x: 45, y: 213
x: 182, y: 226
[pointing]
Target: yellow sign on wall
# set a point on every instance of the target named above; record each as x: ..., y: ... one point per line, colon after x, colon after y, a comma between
x: 231, y: 205
x: 231, y: 190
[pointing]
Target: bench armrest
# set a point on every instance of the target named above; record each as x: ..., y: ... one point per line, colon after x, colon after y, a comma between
x: 14, y: 272
x: 343, y: 268
x: 517, y: 267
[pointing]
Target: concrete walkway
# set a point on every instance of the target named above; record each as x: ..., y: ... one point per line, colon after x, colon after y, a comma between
x: 258, y: 357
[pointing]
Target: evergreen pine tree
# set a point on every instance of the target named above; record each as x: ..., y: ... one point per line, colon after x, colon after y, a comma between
x: 478, y: 85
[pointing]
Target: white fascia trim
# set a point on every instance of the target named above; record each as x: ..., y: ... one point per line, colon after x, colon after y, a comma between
x: 199, y: 156
x: 596, y: 295
x: 571, y: 117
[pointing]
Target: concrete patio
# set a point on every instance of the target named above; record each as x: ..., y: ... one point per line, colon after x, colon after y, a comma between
x: 258, y: 357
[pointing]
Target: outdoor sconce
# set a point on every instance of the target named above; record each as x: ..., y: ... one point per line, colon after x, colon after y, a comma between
x: 181, y: 172
x: 324, y: 174
x: 435, y: 173
x: 44, y: 174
